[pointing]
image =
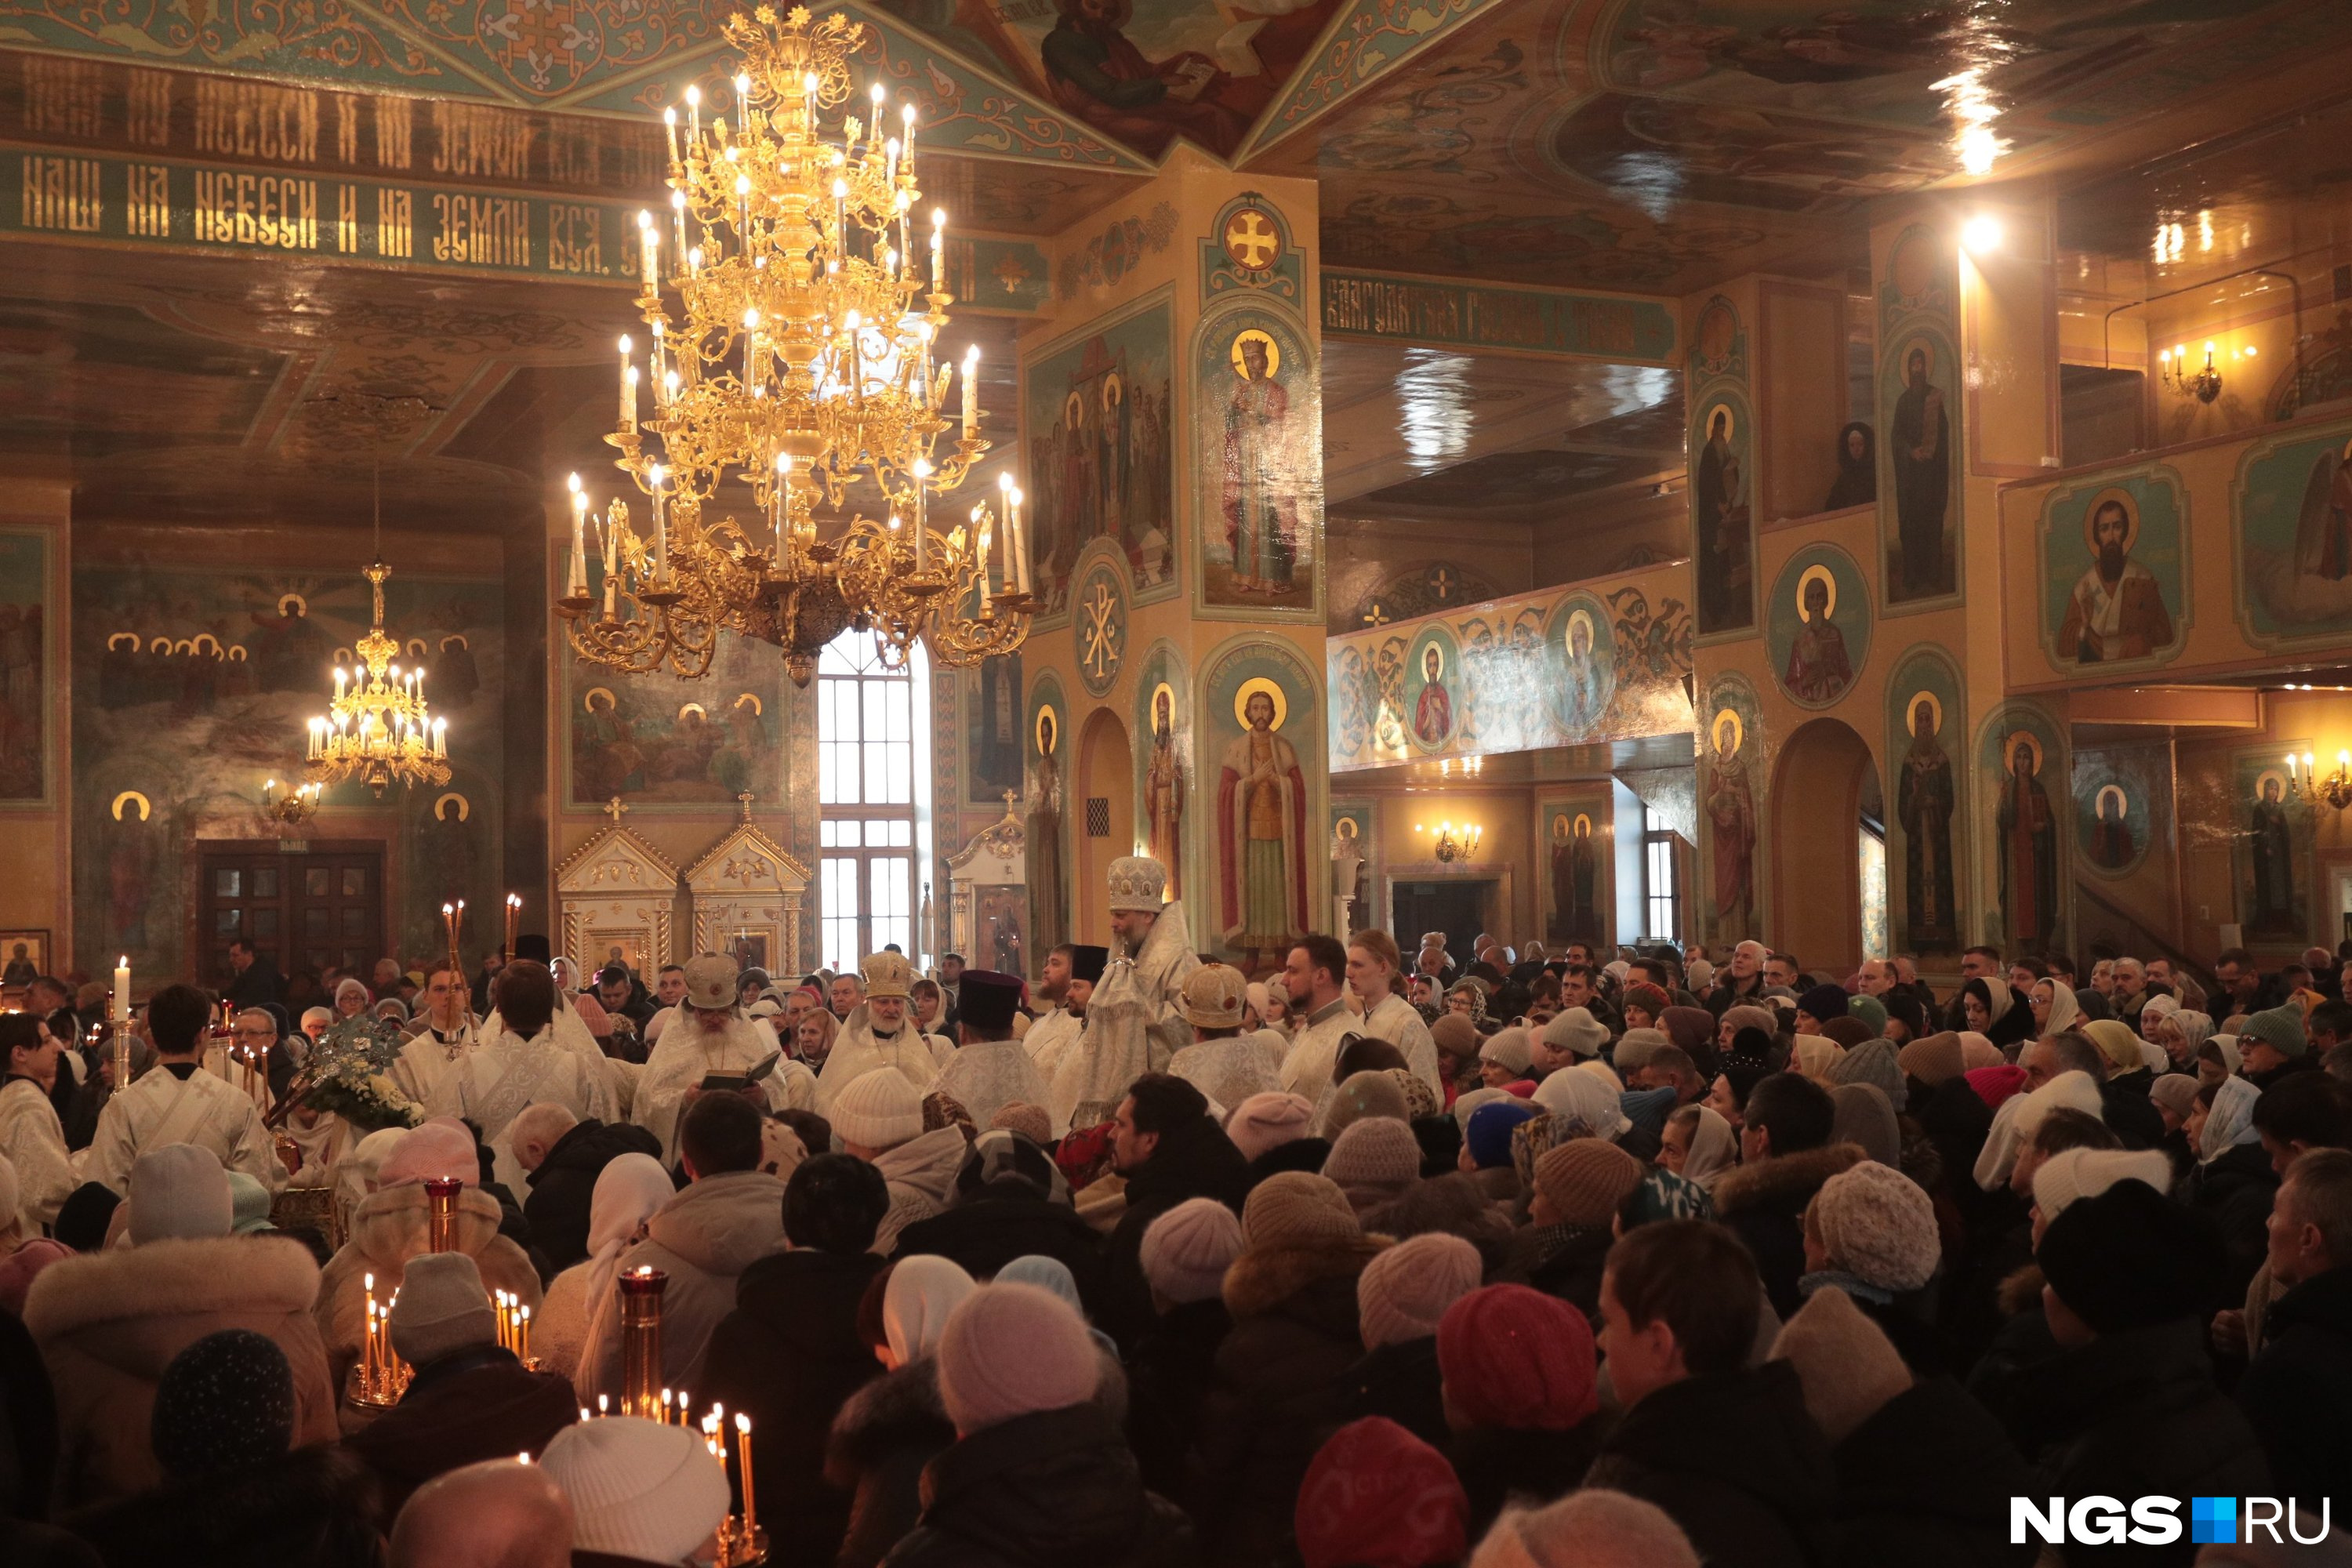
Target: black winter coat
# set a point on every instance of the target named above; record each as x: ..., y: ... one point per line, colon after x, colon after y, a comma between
x: 1277, y: 1392
x: 1565, y: 1261
x: 565, y: 1181
x: 2130, y: 1115
x: 1926, y: 1482
x: 1056, y: 1490
x: 316, y: 1508
x: 2235, y: 1189
x: 2137, y: 1414
x: 1167, y: 1379
x: 1764, y: 1204
x: 2298, y: 1391
x: 1005, y: 1220
x: 788, y: 1356
x: 883, y: 1436
x: 1402, y: 1382
x: 1498, y: 1468
x: 1196, y: 1161
x: 1759, y: 1500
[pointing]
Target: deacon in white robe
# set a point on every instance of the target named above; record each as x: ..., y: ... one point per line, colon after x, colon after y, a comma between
x: 571, y: 1036
x: 491, y: 1084
x: 177, y: 1101
x: 444, y: 1034
x: 1222, y: 1062
x: 993, y: 1070
x: 31, y: 1137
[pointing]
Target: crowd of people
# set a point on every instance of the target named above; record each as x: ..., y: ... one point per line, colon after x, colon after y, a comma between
x: 1520, y: 1258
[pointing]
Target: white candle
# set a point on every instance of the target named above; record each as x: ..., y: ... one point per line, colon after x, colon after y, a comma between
x: 650, y: 248
x: 122, y: 993
x: 972, y: 392
x: 938, y: 241
x: 1017, y: 544
x: 628, y: 389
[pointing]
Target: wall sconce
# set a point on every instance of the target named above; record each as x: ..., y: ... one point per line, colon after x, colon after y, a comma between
x: 1455, y: 840
x: 2304, y: 783
x: 291, y: 810
x: 2204, y: 384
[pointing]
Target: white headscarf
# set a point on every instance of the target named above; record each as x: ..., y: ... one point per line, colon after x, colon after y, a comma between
x: 629, y: 1192
x: 923, y: 1289
x: 2230, y: 1121
x: 2065, y: 1012
x: 1714, y: 1148
x: 1593, y: 1100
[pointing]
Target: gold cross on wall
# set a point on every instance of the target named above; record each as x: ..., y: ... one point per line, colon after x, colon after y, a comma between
x: 613, y: 808
x: 1253, y: 243
x: 1100, y: 631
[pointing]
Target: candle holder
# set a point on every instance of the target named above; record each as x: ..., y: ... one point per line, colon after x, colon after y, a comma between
x: 441, y: 1213
x: 382, y: 1377
x: 641, y: 1341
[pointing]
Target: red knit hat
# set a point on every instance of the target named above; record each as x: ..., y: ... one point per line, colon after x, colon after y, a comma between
x: 1379, y: 1497
x: 1515, y: 1358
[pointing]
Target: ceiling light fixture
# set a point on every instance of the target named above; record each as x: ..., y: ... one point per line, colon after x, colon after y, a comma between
x: 1981, y: 233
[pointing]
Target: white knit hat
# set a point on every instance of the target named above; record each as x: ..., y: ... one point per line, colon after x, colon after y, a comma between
x: 1187, y: 1250
x: 441, y: 1306
x: 879, y: 1110
x: 2073, y: 1174
x: 1877, y: 1223
x: 179, y: 1191
x: 638, y: 1489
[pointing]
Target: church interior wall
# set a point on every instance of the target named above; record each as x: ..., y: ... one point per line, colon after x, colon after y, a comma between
x: 35, y: 799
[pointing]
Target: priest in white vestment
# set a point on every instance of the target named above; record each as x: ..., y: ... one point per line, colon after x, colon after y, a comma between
x: 991, y: 1069
x: 445, y: 1034
x: 521, y: 1065
x: 31, y: 1137
x: 711, y: 1037
x: 1133, y: 1026
x: 572, y: 1032
x: 1071, y: 972
x: 177, y: 1101
x: 1222, y: 1062
x: 877, y: 1033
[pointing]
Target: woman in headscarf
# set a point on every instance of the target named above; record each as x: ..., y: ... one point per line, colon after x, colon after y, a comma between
x: 2232, y: 1181
x: 1467, y: 996
x: 1590, y: 1093
x: 1816, y: 1056
x: 892, y: 1427
x: 2055, y: 1009
x: 2154, y: 1012
x: 1996, y: 1010
x: 2217, y: 1060
x: 627, y: 1192
x: 813, y: 1036
x: 2180, y: 1035
x: 1699, y: 1146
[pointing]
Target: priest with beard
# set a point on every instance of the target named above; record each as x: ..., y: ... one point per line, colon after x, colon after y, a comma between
x: 877, y: 1033
x: 710, y: 1037
x: 1071, y: 972
x: 1134, y: 1023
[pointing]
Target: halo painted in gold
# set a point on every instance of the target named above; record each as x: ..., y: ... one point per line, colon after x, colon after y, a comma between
x: 465, y: 807
x: 588, y: 702
x: 1828, y: 580
x: 2028, y: 738
x: 2121, y: 497
x: 1047, y: 719
x: 1935, y: 711
x: 1273, y: 352
x: 1728, y: 718
x: 1251, y: 687
x: 134, y: 798
x: 2099, y: 803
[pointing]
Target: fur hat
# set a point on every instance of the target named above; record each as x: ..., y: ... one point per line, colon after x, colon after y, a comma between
x: 1576, y: 1031
x: 1187, y: 1250
x: 1296, y: 1209
x: 640, y: 1490
x: 710, y: 981
x: 1845, y: 1363
x: 879, y: 1110
x: 1404, y: 1291
x: 442, y: 1305
x: 2072, y: 1174
x: 886, y: 974
x: 1876, y: 1223
x: 1584, y: 1179
x: 1268, y: 1120
x: 1212, y: 997
x: 179, y: 1191
x: 1138, y: 882
x: 1013, y: 1349
x: 1515, y: 1358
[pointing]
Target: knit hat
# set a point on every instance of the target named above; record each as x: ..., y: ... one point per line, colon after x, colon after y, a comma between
x: 1576, y: 1031
x: 1934, y: 1060
x: 1585, y: 1180
x: 225, y: 1402
x: 1874, y: 1062
x: 2073, y: 1175
x: 249, y: 1204
x: 2176, y: 1092
x: 1511, y: 1049
x: 1365, y: 1095
x: 1859, y: 1114
x: 1848, y: 1031
x: 1845, y: 1363
x: 1015, y: 1350
x: 1405, y: 1291
x: 442, y: 1307
x: 1823, y: 1002
x: 1636, y: 1047
x: 1876, y: 1223
x: 1650, y: 998
x: 1514, y: 1358
x: 2280, y: 1028
x: 179, y: 1191
x: 436, y: 1151
x: 1296, y: 1209
x: 2116, y: 1043
x: 1212, y: 997
x: 1749, y: 1016
x: 1869, y: 1010
x: 1268, y: 1120
x: 1488, y: 1134
x: 83, y: 1218
x: 1454, y: 1036
x: 1378, y: 1496
x: 640, y: 1490
x: 1030, y: 1121
x: 1187, y: 1250
x: 879, y: 1110
x: 1377, y: 1153
x: 1975, y: 1051
x: 2131, y: 1257
x: 1662, y: 1194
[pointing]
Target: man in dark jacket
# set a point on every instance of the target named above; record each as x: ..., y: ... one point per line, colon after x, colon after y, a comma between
x: 2298, y: 1391
x: 1785, y: 1157
x: 1010, y: 1201
x: 470, y: 1399
x: 1679, y: 1303
x: 1168, y: 1148
x: 789, y: 1355
x: 563, y: 1158
x: 254, y: 980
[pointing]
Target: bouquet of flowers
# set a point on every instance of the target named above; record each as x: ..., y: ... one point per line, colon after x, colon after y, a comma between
x: 353, y: 1088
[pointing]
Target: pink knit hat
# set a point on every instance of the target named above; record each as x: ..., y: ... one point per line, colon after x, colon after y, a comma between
x: 1015, y: 1350
x: 1268, y: 1120
x: 1403, y: 1292
x: 1187, y: 1250
x: 439, y: 1149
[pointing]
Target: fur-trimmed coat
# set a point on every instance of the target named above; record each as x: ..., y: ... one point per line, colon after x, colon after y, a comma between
x: 1277, y: 1391
x: 885, y: 1434
x: 109, y: 1323
x: 1764, y: 1206
x: 388, y: 1228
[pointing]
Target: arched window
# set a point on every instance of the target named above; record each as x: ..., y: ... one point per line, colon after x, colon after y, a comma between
x: 874, y: 796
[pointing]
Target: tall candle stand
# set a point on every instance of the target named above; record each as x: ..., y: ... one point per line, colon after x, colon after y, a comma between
x: 441, y: 1213
x: 641, y: 1341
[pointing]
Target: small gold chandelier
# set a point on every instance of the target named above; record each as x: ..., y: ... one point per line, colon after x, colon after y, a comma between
x: 800, y: 363
x: 377, y: 728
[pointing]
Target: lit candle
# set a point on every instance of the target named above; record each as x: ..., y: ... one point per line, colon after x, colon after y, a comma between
x: 579, y: 539
x: 628, y: 389
x: 514, y: 908
x: 907, y: 116
x: 122, y: 993
x: 743, y: 1464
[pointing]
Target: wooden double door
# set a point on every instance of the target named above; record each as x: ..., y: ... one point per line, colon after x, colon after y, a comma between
x: 302, y: 906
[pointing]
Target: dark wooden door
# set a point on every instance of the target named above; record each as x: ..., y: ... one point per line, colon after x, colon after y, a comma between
x: 1449, y: 907
x: 301, y: 907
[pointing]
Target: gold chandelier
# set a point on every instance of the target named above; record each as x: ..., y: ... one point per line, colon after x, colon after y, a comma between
x: 800, y: 363
x: 377, y: 728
